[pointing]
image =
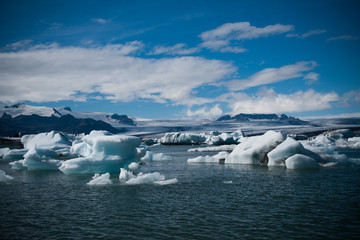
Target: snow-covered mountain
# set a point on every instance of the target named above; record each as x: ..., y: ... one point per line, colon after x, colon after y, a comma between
x: 33, y: 119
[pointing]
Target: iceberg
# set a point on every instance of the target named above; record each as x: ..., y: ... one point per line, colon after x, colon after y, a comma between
x: 299, y: 161
x: 227, y: 148
x: 182, y: 138
x: 150, y: 156
x: 167, y: 182
x: 142, y: 178
x: 15, y: 154
x: 209, y: 159
x: 44, y: 151
x: 106, y: 153
x: 4, y: 177
x: 4, y: 151
x: 254, y: 150
x: 289, y: 148
x: 98, y: 180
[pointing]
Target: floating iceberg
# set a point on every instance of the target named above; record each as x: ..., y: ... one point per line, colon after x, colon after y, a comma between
x: 103, y: 152
x: 167, y: 182
x: 254, y: 150
x: 227, y: 148
x: 209, y: 159
x: 4, y: 151
x: 44, y: 151
x: 150, y: 156
x: 288, y: 148
x: 15, y: 154
x: 299, y: 161
x: 103, y: 179
x: 182, y: 138
x: 142, y: 178
x: 4, y: 177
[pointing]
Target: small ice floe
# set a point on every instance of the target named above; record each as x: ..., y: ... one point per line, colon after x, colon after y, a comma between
x: 4, y: 177
x: 167, y: 182
x: 228, y: 182
x: 99, y: 180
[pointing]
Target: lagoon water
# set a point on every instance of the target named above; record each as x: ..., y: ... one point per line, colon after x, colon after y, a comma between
x: 210, y: 201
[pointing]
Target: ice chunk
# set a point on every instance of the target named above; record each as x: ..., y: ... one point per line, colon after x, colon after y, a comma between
x: 228, y: 182
x: 52, y: 140
x: 103, y: 179
x: 3, y: 151
x: 18, y: 165
x: 4, y: 177
x: 287, y: 149
x: 209, y: 159
x: 109, y: 153
x: 227, y: 148
x: 134, y: 166
x: 150, y: 156
x: 14, y: 154
x: 183, y: 138
x: 145, y: 178
x: 41, y: 159
x: 125, y: 175
x: 299, y: 161
x: 167, y: 182
x: 253, y: 150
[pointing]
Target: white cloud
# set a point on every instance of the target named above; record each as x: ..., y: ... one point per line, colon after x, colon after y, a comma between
x: 177, y: 49
x: 344, y: 37
x: 307, y: 34
x: 100, y: 20
x: 351, y: 98
x: 272, y: 75
x: 219, y: 39
x: 53, y: 73
x: 311, y: 78
x: 268, y: 101
x: 204, y: 112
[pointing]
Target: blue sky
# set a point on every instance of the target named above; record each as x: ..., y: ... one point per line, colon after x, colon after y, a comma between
x: 181, y: 59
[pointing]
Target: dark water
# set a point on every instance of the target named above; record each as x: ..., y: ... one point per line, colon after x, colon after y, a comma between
x: 261, y: 203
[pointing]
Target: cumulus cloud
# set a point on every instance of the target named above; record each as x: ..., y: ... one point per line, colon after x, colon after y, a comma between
x: 268, y: 101
x: 220, y: 39
x: 272, y: 75
x: 344, y: 37
x: 52, y: 73
x: 351, y: 98
x: 177, y: 49
x: 205, y: 112
x: 307, y: 34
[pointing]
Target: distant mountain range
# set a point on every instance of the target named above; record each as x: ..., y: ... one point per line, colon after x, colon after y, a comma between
x: 243, y: 117
x: 31, y: 119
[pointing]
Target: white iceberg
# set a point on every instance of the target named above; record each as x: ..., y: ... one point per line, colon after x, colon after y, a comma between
x: 167, y: 182
x: 253, y: 150
x: 108, y: 153
x: 289, y: 148
x: 14, y: 154
x: 209, y: 159
x: 151, y: 156
x: 4, y: 177
x: 183, y: 138
x: 299, y: 161
x: 227, y: 148
x: 142, y: 178
x: 98, y: 180
x: 44, y: 151
x: 3, y: 151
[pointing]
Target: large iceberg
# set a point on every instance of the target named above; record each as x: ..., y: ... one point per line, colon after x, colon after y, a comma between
x: 254, y: 150
x: 287, y: 149
x: 182, y: 138
x: 44, y: 151
x: 101, y: 152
